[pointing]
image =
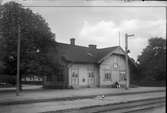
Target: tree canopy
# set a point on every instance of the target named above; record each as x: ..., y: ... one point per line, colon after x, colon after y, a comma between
x: 152, y: 61
x: 36, y: 39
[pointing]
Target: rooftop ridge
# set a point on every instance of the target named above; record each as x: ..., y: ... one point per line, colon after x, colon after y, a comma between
x: 109, y: 47
x: 86, y: 46
x: 72, y: 45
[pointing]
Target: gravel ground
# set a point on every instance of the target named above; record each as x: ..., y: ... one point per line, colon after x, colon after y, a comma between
x: 154, y: 110
x: 50, y: 94
x: 53, y: 106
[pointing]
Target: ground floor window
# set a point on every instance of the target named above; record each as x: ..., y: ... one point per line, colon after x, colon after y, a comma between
x: 74, y: 75
x: 75, y: 78
x: 91, y: 75
x: 122, y: 76
x: 107, y: 76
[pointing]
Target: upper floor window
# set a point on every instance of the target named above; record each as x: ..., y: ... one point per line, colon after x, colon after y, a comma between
x: 115, y: 65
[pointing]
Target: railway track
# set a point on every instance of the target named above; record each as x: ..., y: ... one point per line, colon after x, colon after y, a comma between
x: 122, y: 107
x: 134, y: 106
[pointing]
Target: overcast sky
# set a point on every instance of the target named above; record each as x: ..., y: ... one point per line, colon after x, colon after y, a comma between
x: 101, y: 25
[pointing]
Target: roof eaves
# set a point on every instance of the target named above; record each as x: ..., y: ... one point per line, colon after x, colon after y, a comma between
x: 108, y: 54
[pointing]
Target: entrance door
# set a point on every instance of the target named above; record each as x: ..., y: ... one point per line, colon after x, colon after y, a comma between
x: 115, y: 76
x: 75, y: 79
x: 91, y: 79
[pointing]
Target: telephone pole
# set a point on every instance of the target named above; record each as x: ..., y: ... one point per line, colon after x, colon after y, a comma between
x: 18, y: 63
x: 126, y: 60
x: 119, y: 43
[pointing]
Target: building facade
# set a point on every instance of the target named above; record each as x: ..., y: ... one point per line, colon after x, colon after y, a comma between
x: 88, y: 66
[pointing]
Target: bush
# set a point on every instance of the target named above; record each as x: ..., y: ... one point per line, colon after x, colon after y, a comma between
x: 152, y: 83
x: 10, y: 79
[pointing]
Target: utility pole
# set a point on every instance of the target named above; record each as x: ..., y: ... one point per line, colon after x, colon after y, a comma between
x: 126, y: 60
x: 119, y: 43
x: 18, y: 62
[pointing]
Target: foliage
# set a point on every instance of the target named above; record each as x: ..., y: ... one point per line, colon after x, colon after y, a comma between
x: 36, y: 39
x: 133, y: 71
x: 152, y: 61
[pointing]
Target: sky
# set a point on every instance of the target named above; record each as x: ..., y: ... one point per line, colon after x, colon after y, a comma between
x: 101, y: 25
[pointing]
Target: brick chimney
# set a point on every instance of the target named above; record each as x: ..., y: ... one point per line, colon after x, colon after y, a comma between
x: 91, y: 46
x: 72, y: 41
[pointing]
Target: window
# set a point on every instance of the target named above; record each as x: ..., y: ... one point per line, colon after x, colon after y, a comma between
x: 108, y: 76
x: 74, y: 74
x: 83, y: 80
x: 115, y: 65
x: 91, y: 75
x: 122, y: 76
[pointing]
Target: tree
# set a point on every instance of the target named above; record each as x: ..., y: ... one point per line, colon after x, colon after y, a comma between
x: 36, y: 39
x: 152, y: 61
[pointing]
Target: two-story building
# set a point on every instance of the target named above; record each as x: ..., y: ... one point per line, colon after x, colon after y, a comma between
x: 88, y: 66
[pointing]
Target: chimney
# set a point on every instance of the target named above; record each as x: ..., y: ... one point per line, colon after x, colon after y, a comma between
x: 91, y: 46
x: 72, y: 41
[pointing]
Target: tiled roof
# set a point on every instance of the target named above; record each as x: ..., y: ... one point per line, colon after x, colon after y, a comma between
x: 80, y: 54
